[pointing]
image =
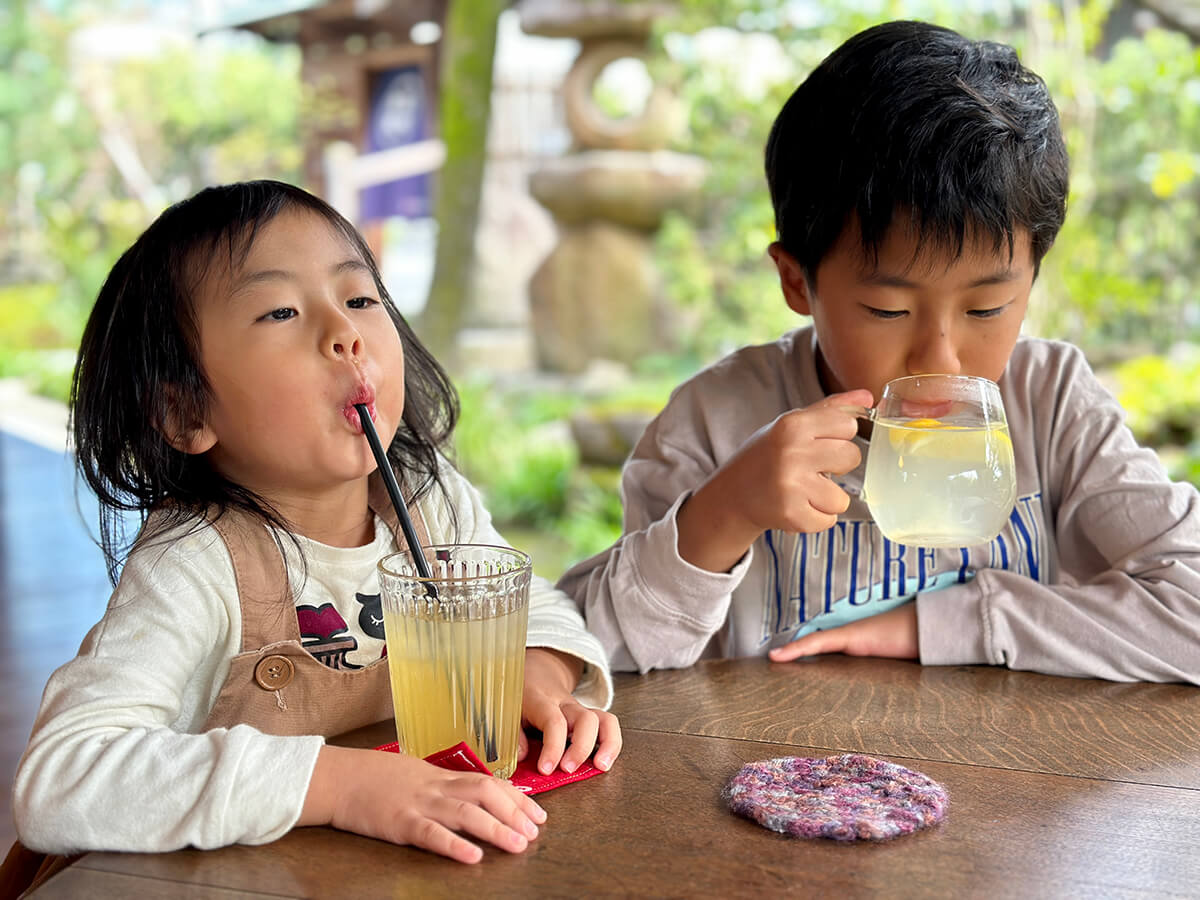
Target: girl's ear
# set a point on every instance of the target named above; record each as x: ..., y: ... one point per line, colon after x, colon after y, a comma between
x: 193, y: 441
x: 791, y: 279
x: 185, y: 434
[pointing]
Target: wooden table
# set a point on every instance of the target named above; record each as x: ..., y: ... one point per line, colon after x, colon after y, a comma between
x: 1059, y: 787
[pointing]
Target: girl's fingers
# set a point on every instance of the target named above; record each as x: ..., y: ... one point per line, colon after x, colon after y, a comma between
x: 522, y: 744
x: 464, y: 815
x: 610, y: 742
x: 519, y: 812
x: 429, y: 834
x: 554, y: 741
x: 530, y: 807
x: 585, y: 725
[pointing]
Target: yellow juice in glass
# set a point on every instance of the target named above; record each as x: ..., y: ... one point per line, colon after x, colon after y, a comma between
x: 456, y: 629
x: 458, y: 681
x: 935, y: 483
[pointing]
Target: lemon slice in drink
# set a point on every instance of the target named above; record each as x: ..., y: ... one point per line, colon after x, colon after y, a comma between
x: 933, y: 439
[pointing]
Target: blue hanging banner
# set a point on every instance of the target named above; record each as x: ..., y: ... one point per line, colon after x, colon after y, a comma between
x: 397, y: 116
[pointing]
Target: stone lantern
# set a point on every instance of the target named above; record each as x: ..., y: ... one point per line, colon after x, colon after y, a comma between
x: 597, y: 294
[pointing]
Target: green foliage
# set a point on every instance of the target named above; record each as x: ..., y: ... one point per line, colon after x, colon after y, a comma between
x: 30, y: 319
x: 34, y: 329
x: 1125, y: 268
x: 512, y: 445
x: 48, y: 142
x: 99, y: 148
x: 1161, y: 397
x: 503, y: 447
x: 215, y: 112
x: 647, y: 393
x: 594, y: 516
x: 1186, y: 467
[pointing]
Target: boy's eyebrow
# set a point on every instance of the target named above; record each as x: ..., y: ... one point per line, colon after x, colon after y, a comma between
x: 247, y: 279
x: 885, y: 279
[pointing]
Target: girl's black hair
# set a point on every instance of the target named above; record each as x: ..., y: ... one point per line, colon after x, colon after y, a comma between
x: 908, y: 118
x: 139, y: 370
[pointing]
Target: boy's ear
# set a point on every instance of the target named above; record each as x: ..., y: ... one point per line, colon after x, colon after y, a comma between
x: 791, y: 279
x: 184, y: 434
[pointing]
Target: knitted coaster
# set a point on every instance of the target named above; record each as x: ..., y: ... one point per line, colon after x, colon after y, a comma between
x: 847, y: 798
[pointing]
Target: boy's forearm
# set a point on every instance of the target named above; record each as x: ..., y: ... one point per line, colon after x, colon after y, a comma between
x: 712, y: 534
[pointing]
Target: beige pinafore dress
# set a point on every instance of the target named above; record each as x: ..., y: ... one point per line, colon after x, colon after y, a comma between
x: 274, y: 683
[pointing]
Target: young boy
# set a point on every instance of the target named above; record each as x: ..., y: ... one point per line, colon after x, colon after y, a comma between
x: 918, y: 178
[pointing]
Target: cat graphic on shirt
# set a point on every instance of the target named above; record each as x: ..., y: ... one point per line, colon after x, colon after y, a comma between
x: 370, y: 617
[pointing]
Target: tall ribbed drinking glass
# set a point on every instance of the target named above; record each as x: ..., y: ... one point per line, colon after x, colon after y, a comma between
x: 457, y: 656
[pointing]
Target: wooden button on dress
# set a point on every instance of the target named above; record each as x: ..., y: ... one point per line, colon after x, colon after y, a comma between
x: 274, y: 673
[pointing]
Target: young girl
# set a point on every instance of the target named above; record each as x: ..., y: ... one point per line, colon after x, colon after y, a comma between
x: 214, y: 395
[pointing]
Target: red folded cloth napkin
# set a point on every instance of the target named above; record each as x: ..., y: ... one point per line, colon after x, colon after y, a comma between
x: 526, y: 778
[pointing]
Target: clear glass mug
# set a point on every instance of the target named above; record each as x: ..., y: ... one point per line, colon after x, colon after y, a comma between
x: 456, y: 652
x: 940, y: 467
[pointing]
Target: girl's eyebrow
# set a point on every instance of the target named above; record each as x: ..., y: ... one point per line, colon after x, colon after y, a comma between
x: 249, y: 279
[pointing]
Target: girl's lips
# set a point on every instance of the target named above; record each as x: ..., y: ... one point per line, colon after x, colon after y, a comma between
x: 364, y: 396
x: 351, y: 414
x: 364, y: 393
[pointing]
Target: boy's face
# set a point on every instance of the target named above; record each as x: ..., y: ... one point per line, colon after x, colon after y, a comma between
x: 916, y: 311
x: 289, y: 341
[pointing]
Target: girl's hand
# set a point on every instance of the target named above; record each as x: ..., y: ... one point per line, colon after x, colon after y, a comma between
x: 892, y: 634
x: 547, y: 705
x: 406, y: 800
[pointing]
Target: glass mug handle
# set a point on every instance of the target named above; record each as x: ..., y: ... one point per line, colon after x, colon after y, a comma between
x: 859, y: 412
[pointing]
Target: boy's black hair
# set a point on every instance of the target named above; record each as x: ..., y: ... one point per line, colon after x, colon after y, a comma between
x: 139, y: 368
x: 911, y: 119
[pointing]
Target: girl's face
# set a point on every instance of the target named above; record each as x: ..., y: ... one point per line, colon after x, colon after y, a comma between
x: 289, y: 341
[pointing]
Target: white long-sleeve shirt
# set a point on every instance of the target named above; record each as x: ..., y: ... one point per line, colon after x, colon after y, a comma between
x: 116, y: 760
x: 1097, y: 572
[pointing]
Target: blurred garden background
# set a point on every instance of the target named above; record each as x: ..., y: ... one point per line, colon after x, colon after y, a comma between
x: 572, y: 266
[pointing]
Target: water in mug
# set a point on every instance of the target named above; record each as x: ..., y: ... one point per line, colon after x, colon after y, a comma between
x: 933, y: 483
x: 458, y: 681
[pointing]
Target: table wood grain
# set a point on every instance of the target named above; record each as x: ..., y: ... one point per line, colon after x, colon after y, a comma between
x: 657, y: 825
x: 982, y: 715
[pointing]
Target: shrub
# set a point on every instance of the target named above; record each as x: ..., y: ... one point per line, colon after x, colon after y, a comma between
x: 1161, y: 395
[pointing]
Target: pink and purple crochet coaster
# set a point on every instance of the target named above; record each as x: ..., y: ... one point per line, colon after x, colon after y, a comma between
x: 846, y: 798
x: 526, y: 779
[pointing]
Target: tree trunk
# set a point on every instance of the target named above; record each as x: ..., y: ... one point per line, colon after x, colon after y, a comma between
x: 465, y: 93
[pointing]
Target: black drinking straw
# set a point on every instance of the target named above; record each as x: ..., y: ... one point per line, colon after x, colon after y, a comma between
x: 393, y: 489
